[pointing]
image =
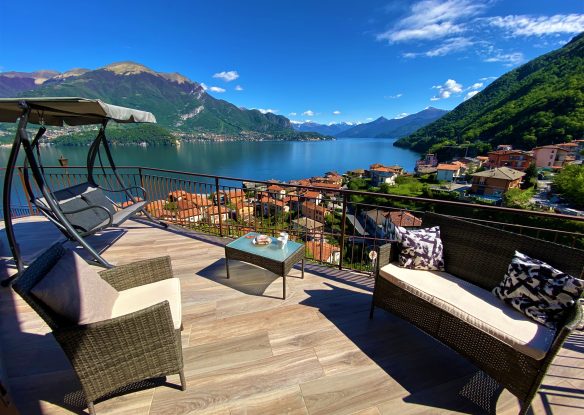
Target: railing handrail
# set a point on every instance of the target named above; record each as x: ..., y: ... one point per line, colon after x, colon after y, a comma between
x: 348, y: 192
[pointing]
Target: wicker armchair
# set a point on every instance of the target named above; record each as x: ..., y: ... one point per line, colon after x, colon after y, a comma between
x: 480, y: 255
x: 114, y: 353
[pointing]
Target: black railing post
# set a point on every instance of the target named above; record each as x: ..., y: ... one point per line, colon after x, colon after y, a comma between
x: 218, y: 205
x: 344, y: 217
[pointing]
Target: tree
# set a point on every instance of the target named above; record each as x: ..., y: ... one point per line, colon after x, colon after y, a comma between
x: 569, y: 183
x: 530, y: 178
x: 517, y: 198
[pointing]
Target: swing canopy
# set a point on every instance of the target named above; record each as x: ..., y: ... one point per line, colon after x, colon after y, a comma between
x: 72, y: 111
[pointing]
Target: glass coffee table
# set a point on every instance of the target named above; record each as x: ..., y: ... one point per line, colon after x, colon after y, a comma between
x: 270, y: 257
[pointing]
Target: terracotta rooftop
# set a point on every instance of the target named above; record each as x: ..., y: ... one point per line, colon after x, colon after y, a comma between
x: 451, y: 167
x: 321, y: 251
x: 404, y: 219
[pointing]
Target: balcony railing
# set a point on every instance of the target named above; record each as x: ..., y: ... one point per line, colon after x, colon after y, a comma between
x: 339, y: 227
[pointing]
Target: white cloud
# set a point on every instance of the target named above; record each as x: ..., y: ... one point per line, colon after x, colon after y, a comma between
x: 455, y: 44
x: 227, y: 76
x: 296, y: 122
x: 401, y: 115
x: 432, y: 19
x: 447, y: 89
x: 337, y: 112
x: 396, y: 96
x: 470, y: 94
x: 238, y: 88
x: 308, y: 113
x: 292, y: 114
x: 369, y: 119
x: 216, y: 89
x: 476, y: 85
x: 522, y: 25
x: 266, y: 110
x: 488, y: 78
x: 509, y: 59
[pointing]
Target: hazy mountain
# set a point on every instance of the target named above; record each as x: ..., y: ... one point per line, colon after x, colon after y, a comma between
x: 394, y: 128
x: 326, y: 129
x: 541, y: 102
x: 178, y: 103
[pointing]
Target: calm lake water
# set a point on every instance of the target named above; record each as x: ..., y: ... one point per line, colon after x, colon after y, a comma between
x: 282, y: 160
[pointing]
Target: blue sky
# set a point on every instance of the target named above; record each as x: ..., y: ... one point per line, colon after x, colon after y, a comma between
x: 326, y: 61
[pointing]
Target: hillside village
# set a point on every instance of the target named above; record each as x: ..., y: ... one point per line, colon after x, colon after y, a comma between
x: 312, y: 207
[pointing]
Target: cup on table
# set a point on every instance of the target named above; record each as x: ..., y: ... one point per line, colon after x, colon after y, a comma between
x: 281, y: 242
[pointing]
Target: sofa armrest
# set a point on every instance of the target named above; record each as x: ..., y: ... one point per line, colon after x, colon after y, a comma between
x: 386, y: 254
x: 138, y: 273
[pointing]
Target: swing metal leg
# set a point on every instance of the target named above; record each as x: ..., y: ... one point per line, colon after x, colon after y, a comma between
x: 152, y: 219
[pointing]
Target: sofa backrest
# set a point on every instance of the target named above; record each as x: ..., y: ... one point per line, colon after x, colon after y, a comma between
x: 481, y: 254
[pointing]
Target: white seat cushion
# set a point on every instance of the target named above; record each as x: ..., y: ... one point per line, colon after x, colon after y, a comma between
x: 138, y: 298
x: 475, y: 306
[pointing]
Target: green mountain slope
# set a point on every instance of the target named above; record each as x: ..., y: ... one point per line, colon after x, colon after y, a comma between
x: 541, y: 102
x: 178, y: 103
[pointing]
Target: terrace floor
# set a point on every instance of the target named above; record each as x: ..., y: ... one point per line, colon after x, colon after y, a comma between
x: 247, y: 351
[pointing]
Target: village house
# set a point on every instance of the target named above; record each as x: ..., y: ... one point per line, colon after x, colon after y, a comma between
x: 551, y: 156
x: 277, y: 192
x: 244, y: 212
x: 235, y: 196
x: 188, y: 215
x: 311, y: 196
x: 572, y: 148
x: 504, y: 147
x: 381, y: 223
x: 328, y: 189
x: 269, y: 205
x: 381, y: 174
x: 515, y: 159
x: 496, y: 182
x: 580, y: 143
x: 357, y: 173
x: 213, y: 213
x: 448, y: 172
x: 308, y: 228
x: 324, y: 252
x: 313, y: 211
x: 427, y: 165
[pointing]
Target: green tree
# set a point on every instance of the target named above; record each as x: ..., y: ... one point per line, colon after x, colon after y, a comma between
x: 569, y: 183
x: 530, y: 178
x: 517, y: 198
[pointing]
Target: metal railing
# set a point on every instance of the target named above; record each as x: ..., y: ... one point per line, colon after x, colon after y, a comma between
x: 339, y: 226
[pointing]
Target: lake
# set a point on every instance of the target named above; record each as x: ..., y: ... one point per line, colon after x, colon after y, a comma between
x: 281, y: 160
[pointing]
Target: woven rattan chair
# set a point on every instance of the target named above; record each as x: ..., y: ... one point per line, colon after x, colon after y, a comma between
x: 480, y: 255
x: 112, y: 354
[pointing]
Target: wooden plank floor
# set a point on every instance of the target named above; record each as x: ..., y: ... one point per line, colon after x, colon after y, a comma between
x: 249, y: 352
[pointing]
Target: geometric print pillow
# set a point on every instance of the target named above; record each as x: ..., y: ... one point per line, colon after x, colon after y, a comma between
x: 538, y: 290
x: 421, y: 248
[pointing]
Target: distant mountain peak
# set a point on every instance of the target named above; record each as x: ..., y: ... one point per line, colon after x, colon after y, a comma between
x: 128, y: 68
x: 175, y: 77
x: 71, y: 73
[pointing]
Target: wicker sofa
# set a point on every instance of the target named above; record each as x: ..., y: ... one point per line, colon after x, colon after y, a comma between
x: 457, y: 308
x: 113, y: 354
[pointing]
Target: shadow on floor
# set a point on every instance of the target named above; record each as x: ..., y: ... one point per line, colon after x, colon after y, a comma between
x: 245, y: 278
x: 434, y: 375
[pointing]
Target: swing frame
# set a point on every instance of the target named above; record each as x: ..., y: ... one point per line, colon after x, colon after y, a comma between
x: 60, y: 112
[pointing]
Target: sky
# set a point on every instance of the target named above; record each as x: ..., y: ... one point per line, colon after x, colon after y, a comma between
x: 325, y: 61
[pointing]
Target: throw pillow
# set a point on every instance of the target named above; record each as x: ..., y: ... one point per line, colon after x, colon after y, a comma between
x: 421, y: 248
x: 538, y: 290
x: 75, y: 291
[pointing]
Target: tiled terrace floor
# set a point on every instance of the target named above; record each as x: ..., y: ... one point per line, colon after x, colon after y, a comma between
x: 247, y: 351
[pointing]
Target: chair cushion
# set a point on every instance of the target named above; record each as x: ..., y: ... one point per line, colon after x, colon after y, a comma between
x: 74, y: 290
x: 143, y: 296
x: 420, y: 248
x: 538, y: 290
x: 95, y: 196
x: 475, y: 306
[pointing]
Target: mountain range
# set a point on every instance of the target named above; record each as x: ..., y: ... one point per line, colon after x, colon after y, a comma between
x: 396, y: 127
x: 326, y: 129
x: 538, y: 103
x: 179, y: 104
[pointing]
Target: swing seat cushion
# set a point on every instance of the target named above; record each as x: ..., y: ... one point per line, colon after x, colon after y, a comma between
x: 122, y: 215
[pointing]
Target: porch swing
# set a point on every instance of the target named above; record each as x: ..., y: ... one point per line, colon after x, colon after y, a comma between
x: 82, y: 209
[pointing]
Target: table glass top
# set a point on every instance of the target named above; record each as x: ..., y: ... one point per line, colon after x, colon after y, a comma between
x: 271, y: 251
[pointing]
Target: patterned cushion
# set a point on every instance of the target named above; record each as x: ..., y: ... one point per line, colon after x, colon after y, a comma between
x: 538, y: 290
x: 420, y: 248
